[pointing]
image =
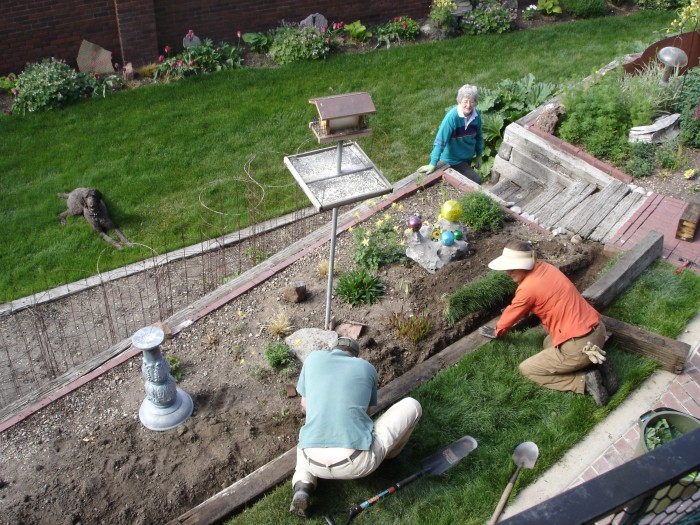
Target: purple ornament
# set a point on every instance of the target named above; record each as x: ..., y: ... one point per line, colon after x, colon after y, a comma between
x: 447, y: 238
x: 415, y: 222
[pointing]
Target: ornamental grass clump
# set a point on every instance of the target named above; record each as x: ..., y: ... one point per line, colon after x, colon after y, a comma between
x: 359, y: 287
x: 409, y: 326
x: 481, y: 213
x: 490, y: 291
x: 380, y: 242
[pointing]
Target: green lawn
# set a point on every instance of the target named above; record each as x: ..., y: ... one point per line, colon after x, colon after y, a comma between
x: 156, y: 152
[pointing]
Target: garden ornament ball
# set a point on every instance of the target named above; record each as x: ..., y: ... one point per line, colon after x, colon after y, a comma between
x: 458, y: 235
x: 672, y: 58
x: 415, y: 222
x: 447, y: 238
x: 452, y: 210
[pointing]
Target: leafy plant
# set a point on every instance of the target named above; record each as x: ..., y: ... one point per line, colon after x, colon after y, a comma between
x: 687, y: 18
x: 256, y: 254
x: 50, y: 84
x: 490, y: 16
x: 378, y: 243
x: 278, y: 356
x: 670, y: 155
x: 481, y: 213
x: 206, y: 57
x: 359, y: 287
x: 409, y: 326
x: 529, y: 12
x: 401, y: 28
x: 549, y: 7
x: 8, y: 83
x: 656, y: 5
x: 646, y: 96
x: 586, y: 8
x: 259, y: 42
x: 642, y: 159
x: 441, y: 14
x: 357, y: 31
x: 293, y: 44
x: 490, y: 291
x: 175, y: 365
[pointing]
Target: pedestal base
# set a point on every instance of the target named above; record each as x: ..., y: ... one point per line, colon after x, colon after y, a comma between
x: 164, y: 418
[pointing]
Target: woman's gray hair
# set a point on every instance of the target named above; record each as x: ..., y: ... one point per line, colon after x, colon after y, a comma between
x: 468, y: 91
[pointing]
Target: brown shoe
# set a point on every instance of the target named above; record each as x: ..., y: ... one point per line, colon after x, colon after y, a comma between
x: 610, y: 381
x: 301, y: 500
x: 595, y: 387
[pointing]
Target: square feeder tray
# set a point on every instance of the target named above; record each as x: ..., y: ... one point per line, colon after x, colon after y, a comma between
x: 330, y: 184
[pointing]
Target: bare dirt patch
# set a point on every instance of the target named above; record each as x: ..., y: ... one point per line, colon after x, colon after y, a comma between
x: 86, y: 458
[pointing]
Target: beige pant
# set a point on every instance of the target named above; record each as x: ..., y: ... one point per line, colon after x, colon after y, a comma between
x: 390, y: 434
x: 562, y: 368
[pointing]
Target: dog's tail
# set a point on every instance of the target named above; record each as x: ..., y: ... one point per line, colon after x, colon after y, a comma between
x: 62, y: 195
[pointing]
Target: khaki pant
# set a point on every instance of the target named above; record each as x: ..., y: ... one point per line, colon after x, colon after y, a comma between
x: 563, y: 368
x: 390, y: 434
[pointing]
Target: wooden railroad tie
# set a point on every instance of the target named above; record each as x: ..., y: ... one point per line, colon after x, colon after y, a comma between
x: 688, y: 222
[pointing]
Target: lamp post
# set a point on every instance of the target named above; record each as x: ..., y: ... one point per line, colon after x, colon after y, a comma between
x: 673, y: 58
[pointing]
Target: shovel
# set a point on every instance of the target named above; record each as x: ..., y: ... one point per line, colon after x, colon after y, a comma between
x: 525, y: 455
x: 435, y: 464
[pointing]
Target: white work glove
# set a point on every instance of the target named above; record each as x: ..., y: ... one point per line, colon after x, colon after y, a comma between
x: 487, y: 331
x: 428, y: 168
x: 594, y: 353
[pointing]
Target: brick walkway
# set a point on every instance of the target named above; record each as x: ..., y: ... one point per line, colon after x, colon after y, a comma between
x: 660, y: 214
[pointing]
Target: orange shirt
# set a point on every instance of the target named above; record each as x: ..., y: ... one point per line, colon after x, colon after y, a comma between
x: 550, y: 295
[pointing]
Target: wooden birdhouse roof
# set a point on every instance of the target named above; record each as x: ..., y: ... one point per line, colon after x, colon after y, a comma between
x: 346, y: 105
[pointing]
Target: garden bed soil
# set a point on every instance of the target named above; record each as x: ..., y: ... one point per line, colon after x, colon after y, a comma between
x: 86, y: 458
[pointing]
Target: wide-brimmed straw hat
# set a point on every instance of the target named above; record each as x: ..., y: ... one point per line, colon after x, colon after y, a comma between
x: 514, y: 260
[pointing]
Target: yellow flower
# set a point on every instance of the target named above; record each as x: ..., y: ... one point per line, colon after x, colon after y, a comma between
x: 379, y: 222
x: 365, y: 242
x: 242, y: 361
x: 396, y: 229
x: 351, y: 229
x: 357, y: 214
x: 385, y: 197
x: 400, y: 206
x: 393, y: 204
x: 689, y: 174
x: 387, y: 217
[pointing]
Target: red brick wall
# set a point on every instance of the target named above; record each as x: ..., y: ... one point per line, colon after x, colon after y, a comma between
x: 137, y: 30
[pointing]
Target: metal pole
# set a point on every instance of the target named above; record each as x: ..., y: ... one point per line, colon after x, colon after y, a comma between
x: 331, y: 260
x: 334, y: 225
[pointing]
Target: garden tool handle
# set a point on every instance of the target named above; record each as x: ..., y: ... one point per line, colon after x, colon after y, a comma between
x: 504, y: 498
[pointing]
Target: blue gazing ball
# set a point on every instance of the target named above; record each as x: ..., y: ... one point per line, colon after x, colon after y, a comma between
x: 447, y: 238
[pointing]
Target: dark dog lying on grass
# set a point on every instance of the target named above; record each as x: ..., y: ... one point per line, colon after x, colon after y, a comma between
x: 88, y: 203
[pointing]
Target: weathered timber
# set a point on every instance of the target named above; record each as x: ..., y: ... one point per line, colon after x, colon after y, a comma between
x: 606, y: 203
x: 627, y: 268
x: 591, y: 207
x: 565, y: 201
x: 505, y: 188
x: 671, y: 353
x: 617, y: 217
x: 540, y: 201
x: 531, y: 161
x: 688, y: 222
x: 273, y: 473
x: 512, y: 172
x: 559, y: 161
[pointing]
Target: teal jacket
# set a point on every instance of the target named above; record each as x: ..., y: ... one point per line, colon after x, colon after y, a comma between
x: 459, y: 139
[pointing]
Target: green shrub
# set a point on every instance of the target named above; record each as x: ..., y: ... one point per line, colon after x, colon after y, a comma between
x: 293, y: 44
x: 401, y: 28
x: 529, y: 12
x: 51, y: 84
x: 596, y: 117
x: 206, y: 57
x: 441, y: 16
x: 586, y: 8
x: 646, y: 96
x: 259, y: 42
x: 670, y: 155
x: 642, y: 159
x: 490, y: 16
x: 689, y: 108
x: 490, y: 291
x: 379, y: 243
x: 411, y: 327
x: 8, y: 83
x: 278, y: 356
x: 359, y: 287
x: 480, y: 212
x: 657, y: 5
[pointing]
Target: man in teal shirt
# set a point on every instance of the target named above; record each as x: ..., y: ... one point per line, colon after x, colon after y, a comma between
x: 339, y: 440
x: 459, y: 141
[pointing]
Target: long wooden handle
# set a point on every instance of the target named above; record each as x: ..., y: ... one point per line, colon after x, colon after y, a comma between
x: 504, y: 497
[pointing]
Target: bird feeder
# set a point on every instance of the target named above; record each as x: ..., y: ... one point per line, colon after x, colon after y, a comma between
x: 673, y: 58
x: 342, y: 117
x: 331, y: 179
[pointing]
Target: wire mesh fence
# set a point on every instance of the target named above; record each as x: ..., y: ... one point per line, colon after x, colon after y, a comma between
x: 48, y: 334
